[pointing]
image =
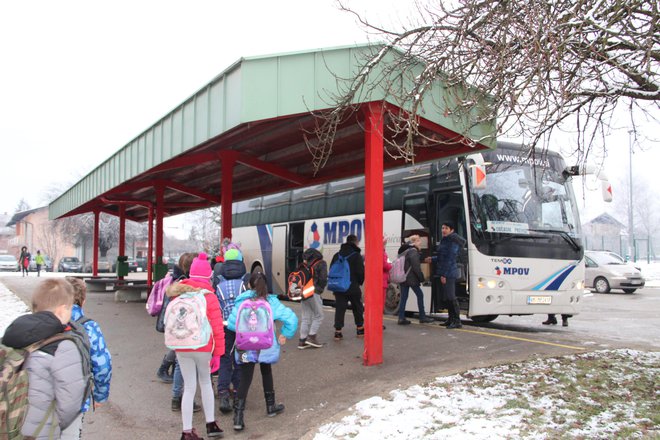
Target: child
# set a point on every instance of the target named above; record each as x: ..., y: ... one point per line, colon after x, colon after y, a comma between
x: 266, y: 357
x: 57, y: 385
x: 200, y: 362
x: 101, y: 360
x: 312, y: 308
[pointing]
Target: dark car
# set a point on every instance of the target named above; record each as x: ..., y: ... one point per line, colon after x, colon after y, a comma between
x: 70, y: 264
x: 47, y: 266
x: 132, y: 265
x: 142, y: 264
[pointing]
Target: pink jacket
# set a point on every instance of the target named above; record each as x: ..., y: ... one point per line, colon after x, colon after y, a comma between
x: 386, y: 270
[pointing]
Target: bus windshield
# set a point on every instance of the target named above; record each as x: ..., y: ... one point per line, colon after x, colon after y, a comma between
x: 525, y: 201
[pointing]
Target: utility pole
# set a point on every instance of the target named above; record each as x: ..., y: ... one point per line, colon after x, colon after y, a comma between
x: 631, y: 235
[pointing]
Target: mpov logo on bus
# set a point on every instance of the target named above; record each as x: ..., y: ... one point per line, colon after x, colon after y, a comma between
x: 335, y: 232
x: 508, y: 270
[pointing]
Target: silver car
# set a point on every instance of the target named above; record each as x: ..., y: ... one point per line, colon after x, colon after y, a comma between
x: 605, y: 272
x: 8, y: 262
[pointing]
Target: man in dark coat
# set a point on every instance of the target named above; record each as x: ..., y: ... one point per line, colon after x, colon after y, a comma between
x: 353, y: 295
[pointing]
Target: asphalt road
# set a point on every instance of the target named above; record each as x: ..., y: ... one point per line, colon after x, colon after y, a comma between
x: 319, y: 385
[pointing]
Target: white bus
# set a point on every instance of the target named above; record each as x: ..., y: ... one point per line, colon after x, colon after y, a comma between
x: 524, y: 251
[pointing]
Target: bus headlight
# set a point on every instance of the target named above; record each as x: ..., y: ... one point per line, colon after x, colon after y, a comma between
x: 491, y: 284
x: 579, y: 285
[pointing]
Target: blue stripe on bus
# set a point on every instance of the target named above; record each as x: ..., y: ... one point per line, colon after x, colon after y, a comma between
x: 560, y: 275
x: 266, y: 245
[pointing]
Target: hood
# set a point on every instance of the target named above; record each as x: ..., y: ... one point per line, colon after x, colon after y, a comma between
x: 404, y: 247
x: 177, y: 273
x: 348, y: 248
x: 232, y: 269
x: 187, y: 285
x: 312, y: 254
x: 28, y: 329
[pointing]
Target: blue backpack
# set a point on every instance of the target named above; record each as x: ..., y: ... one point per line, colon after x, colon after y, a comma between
x: 227, y: 291
x: 339, y: 275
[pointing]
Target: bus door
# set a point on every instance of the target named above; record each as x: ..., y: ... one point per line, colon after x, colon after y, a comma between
x: 449, y: 206
x: 296, y: 246
x: 279, y: 274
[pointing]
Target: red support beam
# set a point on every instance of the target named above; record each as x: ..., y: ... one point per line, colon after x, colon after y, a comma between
x: 122, y: 231
x: 228, y: 163
x: 160, y: 213
x: 150, y: 246
x: 273, y: 170
x: 373, y: 249
x: 95, y: 253
x: 187, y: 190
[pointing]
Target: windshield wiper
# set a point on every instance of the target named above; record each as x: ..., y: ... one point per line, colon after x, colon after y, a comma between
x: 570, y: 240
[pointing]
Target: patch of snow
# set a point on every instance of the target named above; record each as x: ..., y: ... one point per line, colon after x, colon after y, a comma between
x: 10, y: 308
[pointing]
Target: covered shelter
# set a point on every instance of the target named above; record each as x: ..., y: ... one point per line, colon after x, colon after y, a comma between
x: 245, y: 134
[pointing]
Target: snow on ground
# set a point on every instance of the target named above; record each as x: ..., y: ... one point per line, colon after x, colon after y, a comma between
x: 10, y: 308
x: 651, y: 272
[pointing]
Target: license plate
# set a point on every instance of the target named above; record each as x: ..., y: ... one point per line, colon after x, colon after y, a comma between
x: 635, y: 282
x: 539, y: 300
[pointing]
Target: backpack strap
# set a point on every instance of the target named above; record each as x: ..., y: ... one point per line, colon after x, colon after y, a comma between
x: 83, y: 319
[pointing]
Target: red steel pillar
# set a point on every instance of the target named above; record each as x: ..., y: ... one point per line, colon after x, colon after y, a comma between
x: 160, y: 213
x: 226, y: 200
x: 122, y: 231
x: 373, y: 249
x: 95, y: 261
x: 150, y: 246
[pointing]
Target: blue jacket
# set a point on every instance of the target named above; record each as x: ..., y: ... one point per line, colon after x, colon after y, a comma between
x: 446, y: 255
x: 280, y: 313
x: 100, y: 358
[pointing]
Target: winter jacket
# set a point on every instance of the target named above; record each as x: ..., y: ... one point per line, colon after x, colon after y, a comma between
x: 412, y: 265
x: 446, y: 254
x: 311, y: 256
x: 216, y: 343
x: 233, y: 269
x: 355, y: 263
x: 280, y: 313
x: 387, y: 266
x: 54, y: 373
x: 101, y: 360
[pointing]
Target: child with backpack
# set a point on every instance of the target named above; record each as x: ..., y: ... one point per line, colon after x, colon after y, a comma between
x: 230, y: 283
x: 45, y: 370
x: 345, y: 276
x: 253, y: 319
x: 312, y: 307
x: 193, y: 328
x: 101, y: 361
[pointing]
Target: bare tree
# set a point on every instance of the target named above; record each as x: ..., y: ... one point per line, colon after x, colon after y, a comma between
x: 23, y: 205
x: 205, y: 230
x: 529, y: 66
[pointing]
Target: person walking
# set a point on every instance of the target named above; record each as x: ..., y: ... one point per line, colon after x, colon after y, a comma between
x: 312, y: 307
x: 552, y: 320
x: 247, y: 359
x: 39, y: 261
x: 195, y: 363
x: 414, y: 278
x: 447, y: 269
x: 351, y: 253
x: 24, y: 261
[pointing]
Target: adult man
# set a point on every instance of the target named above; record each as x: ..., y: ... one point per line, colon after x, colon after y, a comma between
x: 351, y: 252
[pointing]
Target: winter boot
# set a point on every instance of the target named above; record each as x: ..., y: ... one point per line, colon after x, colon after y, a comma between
x: 176, y: 405
x: 302, y: 343
x: 338, y: 335
x: 359, y: 332
x: 552, y: 320
x: 272, y: 408
x: 239, y: 407
x: 313, y: 342
x: 225, y: 403
x: 192, y: 435
x: 564, y: 321
x: 213, y: 430
x: 163, y: 372
x: 456, y: 315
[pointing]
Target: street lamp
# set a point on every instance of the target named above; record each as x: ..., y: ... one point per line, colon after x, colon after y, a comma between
x: 631, y: 235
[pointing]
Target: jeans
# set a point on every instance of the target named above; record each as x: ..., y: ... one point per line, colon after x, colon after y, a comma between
x: 229, y: 372
x: 177, y: 383
x: 405, y: 290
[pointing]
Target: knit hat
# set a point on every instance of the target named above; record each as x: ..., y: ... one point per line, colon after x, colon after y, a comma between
x: 200, y: 267
x: 233, y: 254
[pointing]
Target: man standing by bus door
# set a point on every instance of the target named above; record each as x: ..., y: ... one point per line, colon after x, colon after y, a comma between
x: 446, y: 267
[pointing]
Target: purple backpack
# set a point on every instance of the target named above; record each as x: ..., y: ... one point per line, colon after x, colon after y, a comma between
x: 155, y: 300
x: 254, y: 325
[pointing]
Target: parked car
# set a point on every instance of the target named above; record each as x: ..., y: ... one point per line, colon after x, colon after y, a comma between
x: 103, y: 266
x: 142, y: 264
x: 8, y: 263
x: 47, y: 266
x: 69, y: 264
x: 605, y: 272
x: 132, y: 265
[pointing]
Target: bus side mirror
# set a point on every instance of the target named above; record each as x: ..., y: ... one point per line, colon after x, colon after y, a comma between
x: 606, y: 189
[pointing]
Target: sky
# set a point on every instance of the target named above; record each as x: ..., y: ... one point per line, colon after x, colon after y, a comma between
x: 81, y: 79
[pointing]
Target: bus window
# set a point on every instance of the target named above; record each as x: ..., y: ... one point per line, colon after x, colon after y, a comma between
x: 415, y: 213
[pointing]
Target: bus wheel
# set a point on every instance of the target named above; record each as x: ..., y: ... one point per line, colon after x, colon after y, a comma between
x: 392, y: 298
x: 483, y: 318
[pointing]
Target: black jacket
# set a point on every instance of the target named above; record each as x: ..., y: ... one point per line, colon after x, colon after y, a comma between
x: 233, y: 269
x: 355, y: 263
x: 311, y: 256
x: 415, y: 276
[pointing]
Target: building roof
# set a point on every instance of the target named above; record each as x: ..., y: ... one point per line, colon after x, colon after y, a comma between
x: 21, y: 215
x: 259, y: 112
x: 606, y: 219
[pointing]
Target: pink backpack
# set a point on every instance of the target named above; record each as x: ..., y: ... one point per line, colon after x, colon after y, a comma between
x: 254, y: 325
x: 155, y: 300
x: 186, y: 323
x: 398, y: 273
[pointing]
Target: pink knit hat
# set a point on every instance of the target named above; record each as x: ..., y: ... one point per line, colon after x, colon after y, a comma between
x: 200, y: 267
